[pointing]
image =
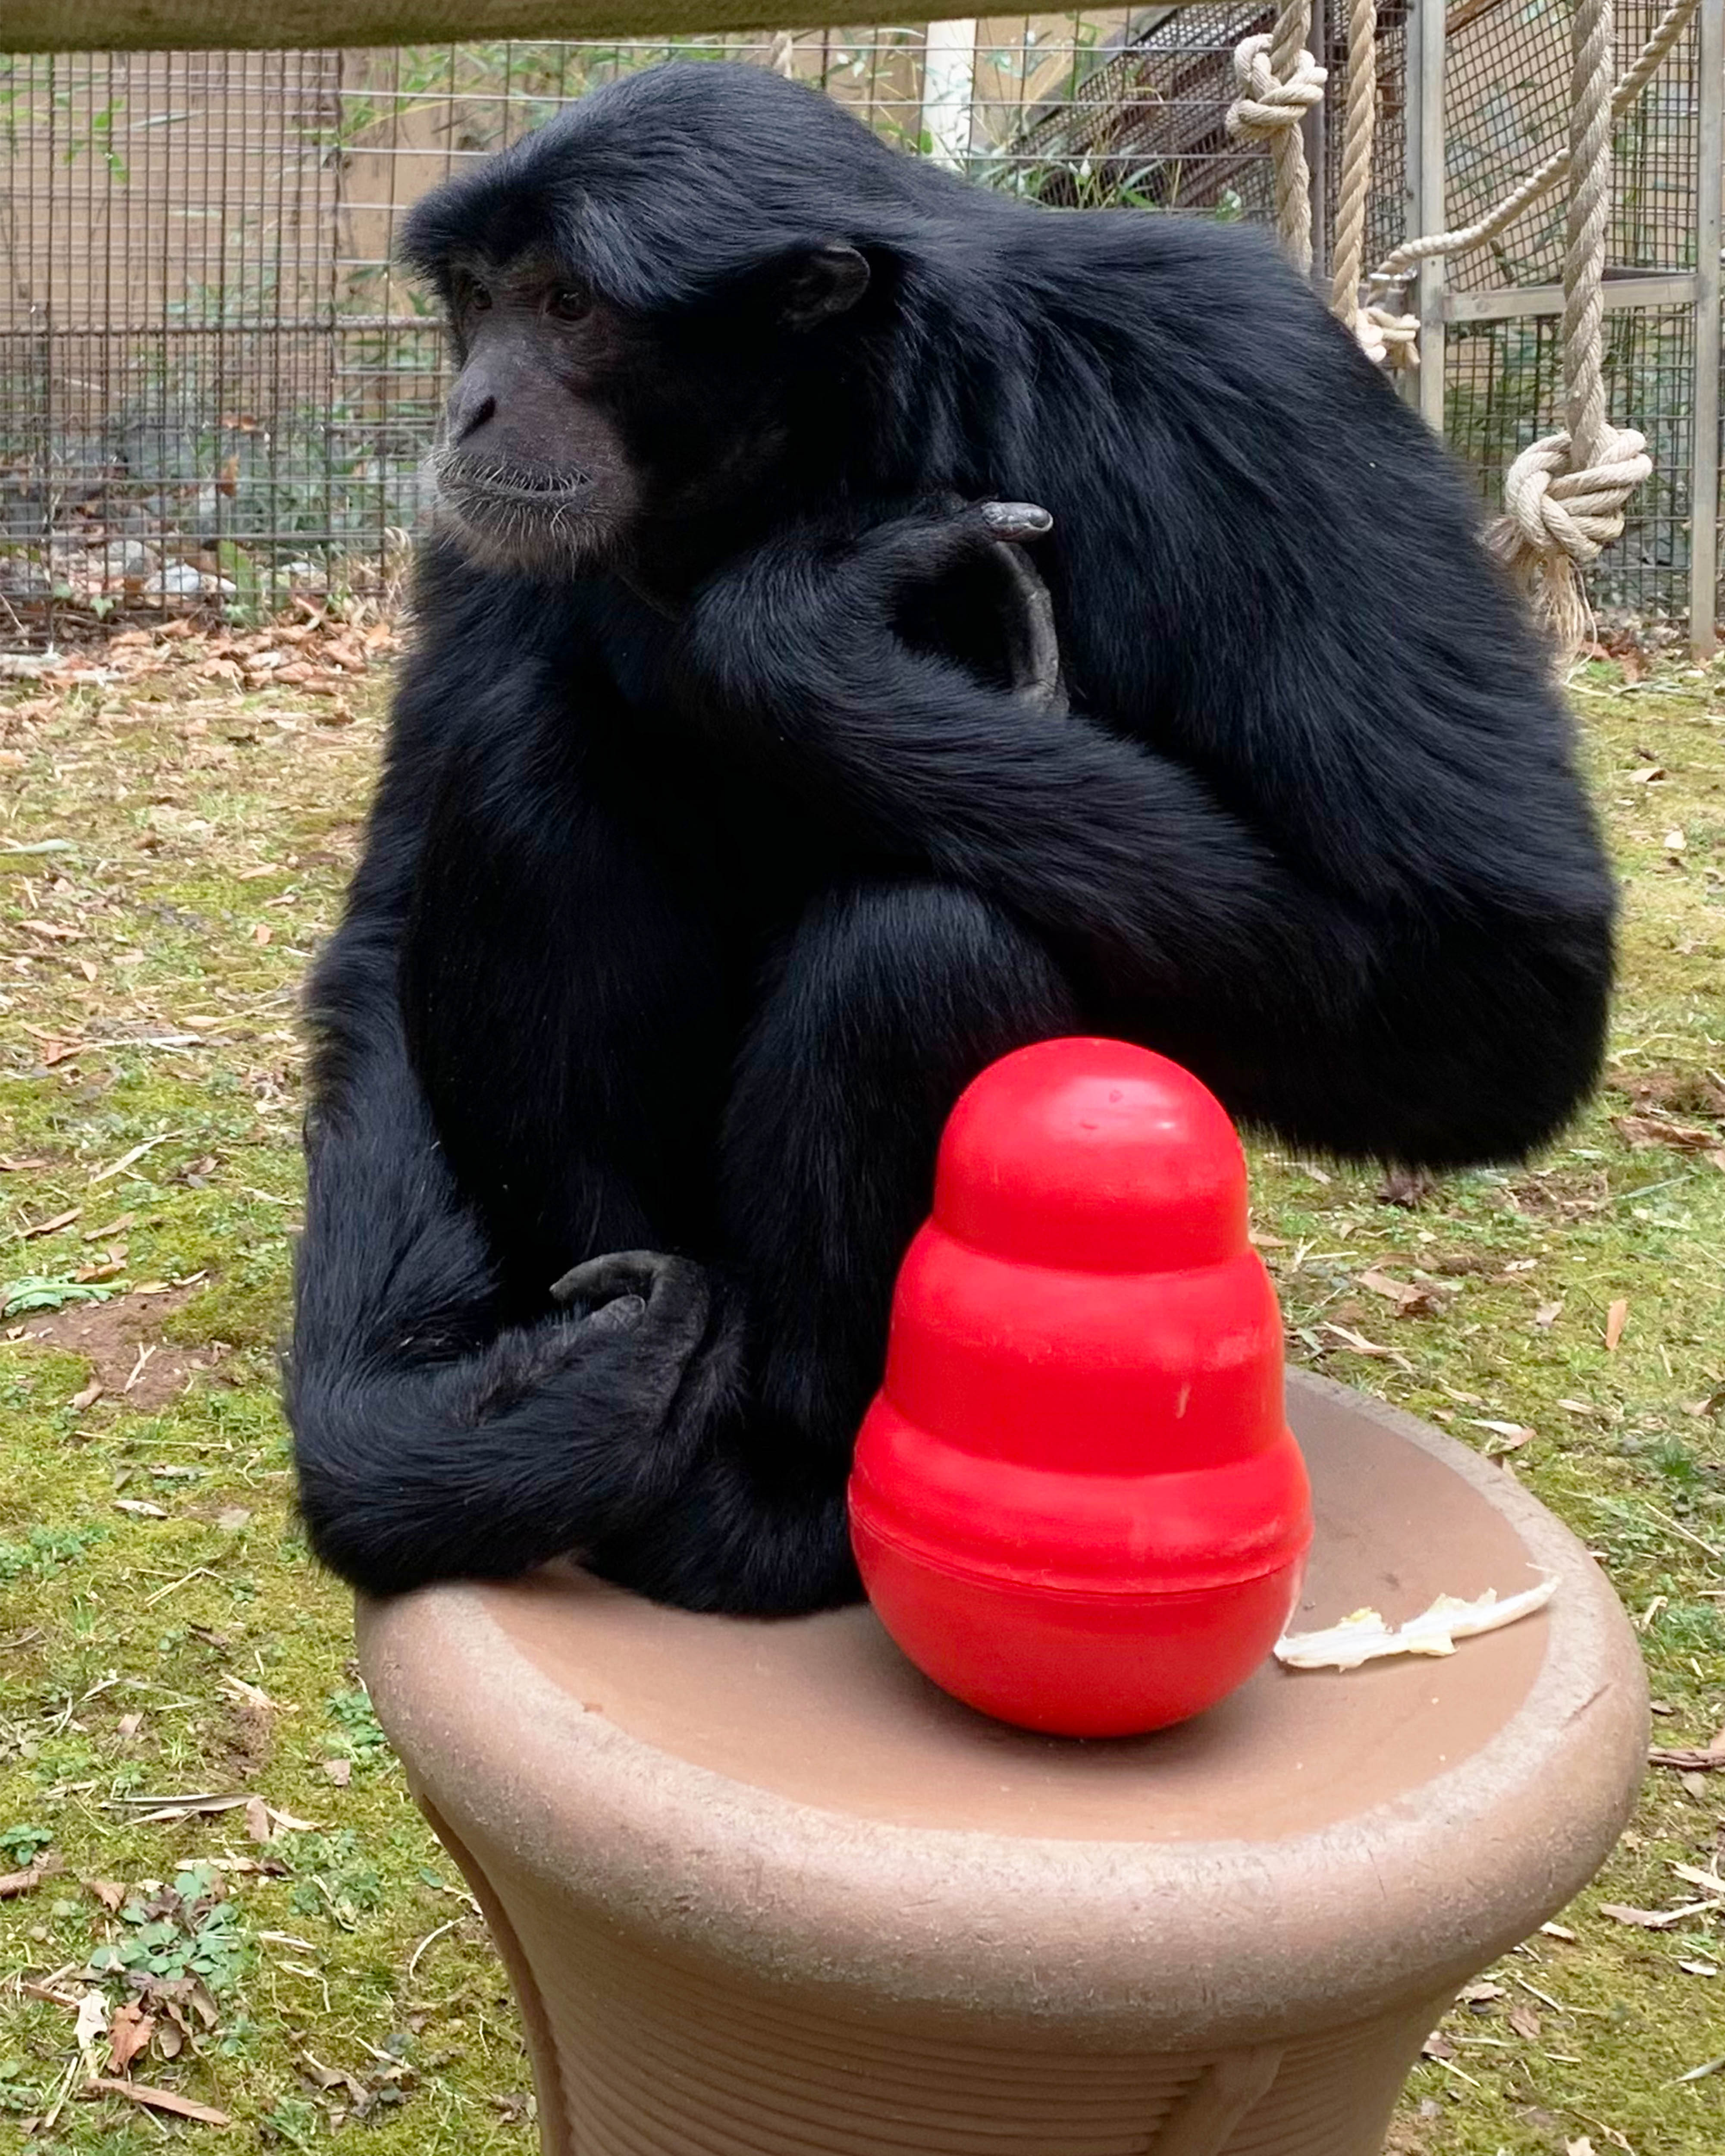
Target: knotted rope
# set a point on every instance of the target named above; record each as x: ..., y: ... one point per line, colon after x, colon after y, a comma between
x: 1279, y: 83
x: 1387, y: 338
x: 1564, y: 497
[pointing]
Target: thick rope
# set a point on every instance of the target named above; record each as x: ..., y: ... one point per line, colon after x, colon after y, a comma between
x: 1279, y: 83
x: 1387, y: 338
x: 1397, y: 267
x: 1589, y: 213
x: 1359, y: 125
x: 1564, y: 497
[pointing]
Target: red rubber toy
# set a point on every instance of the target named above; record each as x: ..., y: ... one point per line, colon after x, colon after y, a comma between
x: 1076, y: 1504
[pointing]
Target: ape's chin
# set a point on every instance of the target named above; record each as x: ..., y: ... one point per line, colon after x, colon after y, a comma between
x: 536, y: 530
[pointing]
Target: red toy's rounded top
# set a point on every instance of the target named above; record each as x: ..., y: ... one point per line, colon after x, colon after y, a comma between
x: 1093, y: 1156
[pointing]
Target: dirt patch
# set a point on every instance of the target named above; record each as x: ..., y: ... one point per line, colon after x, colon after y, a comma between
x: 1679, y: 1092
x: 246, y: 1739
x: 1556, y: 1196
x: 121, y: 1342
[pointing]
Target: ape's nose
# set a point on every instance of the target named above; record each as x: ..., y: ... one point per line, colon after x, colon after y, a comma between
x: 470, y: 405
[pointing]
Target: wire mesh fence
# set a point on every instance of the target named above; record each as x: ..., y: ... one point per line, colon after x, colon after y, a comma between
x: 217, y: 390
x: 1507, y: 108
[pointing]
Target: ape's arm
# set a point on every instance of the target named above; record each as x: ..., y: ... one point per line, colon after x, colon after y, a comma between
x: 1088, y: 836
x: 1400, y: 979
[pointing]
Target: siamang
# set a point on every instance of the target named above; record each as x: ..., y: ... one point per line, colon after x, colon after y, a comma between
x: 732, y: 818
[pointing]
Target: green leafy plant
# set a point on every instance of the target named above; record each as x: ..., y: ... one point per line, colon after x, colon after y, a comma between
x: 45, y: 1550
x: 23, y: 1845
x: 186, y: 1930
x: 334, y: 1878
x: 35, y: 1291
x: 361, y: 1738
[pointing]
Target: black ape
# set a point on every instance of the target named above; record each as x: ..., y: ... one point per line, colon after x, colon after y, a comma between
x: 716, y: 848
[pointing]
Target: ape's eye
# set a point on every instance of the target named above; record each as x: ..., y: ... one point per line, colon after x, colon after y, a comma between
x: 570, y: 304
x: 478, y: 299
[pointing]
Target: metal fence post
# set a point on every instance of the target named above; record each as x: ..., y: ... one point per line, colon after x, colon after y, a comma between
x: 949, y: 91
x: 1704, y: 478
x: 1315, y: 129
x: 1426, y: 191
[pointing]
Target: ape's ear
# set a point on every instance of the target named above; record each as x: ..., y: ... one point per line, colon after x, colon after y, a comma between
x: 827, y: 280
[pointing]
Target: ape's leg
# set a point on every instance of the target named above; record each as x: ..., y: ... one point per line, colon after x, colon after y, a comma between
x: 444, y: 1421
x: 430, y: 1440
x: 886, y: 1001
x: 889, y: 1001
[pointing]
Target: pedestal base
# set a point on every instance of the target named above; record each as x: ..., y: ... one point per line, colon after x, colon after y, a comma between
x: 763, y: 1891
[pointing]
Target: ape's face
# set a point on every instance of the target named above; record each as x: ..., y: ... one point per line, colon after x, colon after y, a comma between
x: 533, y: 465
x: 579, y: 437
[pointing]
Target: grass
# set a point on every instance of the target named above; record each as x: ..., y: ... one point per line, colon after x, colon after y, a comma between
x: 311, y: 1963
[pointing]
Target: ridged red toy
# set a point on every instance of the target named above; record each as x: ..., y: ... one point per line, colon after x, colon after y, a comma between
x: 1076, y: 1503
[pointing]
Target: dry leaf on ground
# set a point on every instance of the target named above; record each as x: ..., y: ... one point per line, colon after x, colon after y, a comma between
x: 1658, y: 1920
x: 129, y: 2035
x: 1510, y: 1436
x: 1691, y: 1758
x: 15, y: 1883
x: 1411, y: 1298
x: 1640, y: 1132
x: 157, y: 2099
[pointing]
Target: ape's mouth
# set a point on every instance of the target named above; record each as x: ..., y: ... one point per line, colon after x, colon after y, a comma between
x: 507, y: 480
x: 519, y: 516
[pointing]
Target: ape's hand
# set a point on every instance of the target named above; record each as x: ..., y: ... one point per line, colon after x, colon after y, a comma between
x: 550, y: 1437
x: 627, y: 1288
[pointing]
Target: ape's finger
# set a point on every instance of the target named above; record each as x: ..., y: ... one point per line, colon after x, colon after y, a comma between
x: 616, y: 1273
x: 622, y: 1316
x: 1017, y: 519
x: 917, y: 549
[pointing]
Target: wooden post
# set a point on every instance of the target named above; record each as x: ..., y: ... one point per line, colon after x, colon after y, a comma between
x: 1704, y: 477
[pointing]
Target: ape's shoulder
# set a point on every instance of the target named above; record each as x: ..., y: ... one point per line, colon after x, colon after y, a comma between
x: 501, y: 667
x: 1223, y: 294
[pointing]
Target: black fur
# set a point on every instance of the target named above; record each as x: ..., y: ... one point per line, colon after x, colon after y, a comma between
x: 683, y: 919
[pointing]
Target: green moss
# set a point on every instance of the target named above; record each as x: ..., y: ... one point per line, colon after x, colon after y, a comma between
x: 246, y: 1309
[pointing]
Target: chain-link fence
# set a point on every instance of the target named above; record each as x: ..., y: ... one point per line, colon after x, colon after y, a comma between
x: 215, y: 389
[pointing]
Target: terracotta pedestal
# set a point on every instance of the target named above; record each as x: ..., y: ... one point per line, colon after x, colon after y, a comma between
x: 762, y: 1892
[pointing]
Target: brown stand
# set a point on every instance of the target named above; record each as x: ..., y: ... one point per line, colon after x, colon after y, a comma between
x: 762, y: 1892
